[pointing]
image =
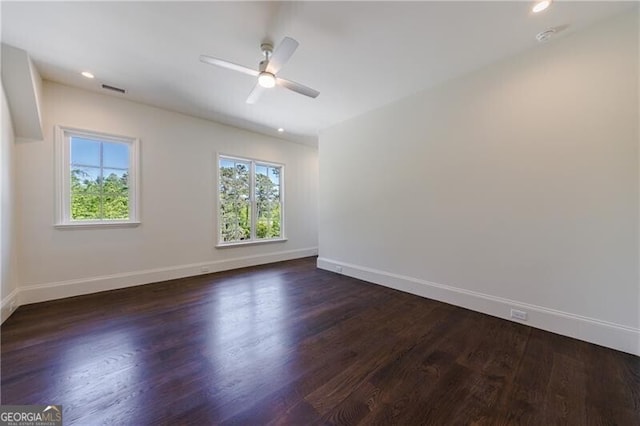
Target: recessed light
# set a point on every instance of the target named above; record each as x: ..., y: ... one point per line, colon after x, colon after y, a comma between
x: 280, y: 129
x: 540, y: 6
x: 87, y: 74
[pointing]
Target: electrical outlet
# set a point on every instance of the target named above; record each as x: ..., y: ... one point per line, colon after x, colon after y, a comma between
x: 521, y: 315
x: 339, y: 269
x: 204, y: 269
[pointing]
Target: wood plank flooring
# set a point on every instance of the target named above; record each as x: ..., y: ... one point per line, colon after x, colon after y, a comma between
x: 288, y: 344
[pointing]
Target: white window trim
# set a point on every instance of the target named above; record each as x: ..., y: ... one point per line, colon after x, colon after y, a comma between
x: 63, y: 181
x: 254, y: 213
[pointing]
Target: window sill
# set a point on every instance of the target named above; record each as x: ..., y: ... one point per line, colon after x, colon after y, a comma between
x: 92, y: 225
x: 251, y: 243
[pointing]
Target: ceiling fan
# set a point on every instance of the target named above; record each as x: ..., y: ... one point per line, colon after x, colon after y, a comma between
x: 267, y: 70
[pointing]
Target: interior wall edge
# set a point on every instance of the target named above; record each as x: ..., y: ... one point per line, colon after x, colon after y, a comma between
x: 604, y: 333
x: 25, y: 295
x: 5, y: 305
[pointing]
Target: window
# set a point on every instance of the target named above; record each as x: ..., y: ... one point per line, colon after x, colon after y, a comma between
x: 250, y: 201
x: 97, y: 177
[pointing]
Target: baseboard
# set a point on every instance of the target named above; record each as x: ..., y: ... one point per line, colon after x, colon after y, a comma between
x: 62, y: 289
x: 615, y: 336
x: 8, y: 302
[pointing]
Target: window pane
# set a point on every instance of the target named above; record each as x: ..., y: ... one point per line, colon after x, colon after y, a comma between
x: 115, y: 155
x: 115, y: 206
x: 235, y: 201
x: 235, y: 221
x: 86, y: 179
x: 226, y: 163
x: 268, y: 202
x: 85, y: 206
x: 115, y: 181
x: 274, y: 175
x: 115, y: 202
x: 85, y: 152
x: 242, y: 169
x: 268, y: 225
x: 261, y: 170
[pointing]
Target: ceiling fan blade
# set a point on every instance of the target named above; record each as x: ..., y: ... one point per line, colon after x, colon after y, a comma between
x: 255, y: 94
x: 297, y: 87
x: 282, y: 54
x: 229, y: 65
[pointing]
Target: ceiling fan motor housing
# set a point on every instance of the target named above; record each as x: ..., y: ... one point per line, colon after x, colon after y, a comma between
x: 267, y: 49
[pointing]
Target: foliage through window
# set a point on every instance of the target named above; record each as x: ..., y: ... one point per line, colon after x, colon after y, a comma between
x: 250, y: 200
x: 97, y: 178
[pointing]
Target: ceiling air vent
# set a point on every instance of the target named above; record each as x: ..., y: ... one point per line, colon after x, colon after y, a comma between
x: 114, y: 89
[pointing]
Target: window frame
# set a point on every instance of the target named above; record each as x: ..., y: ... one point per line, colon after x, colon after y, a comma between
x: 63, y: 135
x: 254, y: 211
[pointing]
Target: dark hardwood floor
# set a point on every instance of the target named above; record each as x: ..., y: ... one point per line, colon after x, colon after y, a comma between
x: 290, y: 344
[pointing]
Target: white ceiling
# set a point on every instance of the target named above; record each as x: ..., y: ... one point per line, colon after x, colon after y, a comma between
x: 359, y: 55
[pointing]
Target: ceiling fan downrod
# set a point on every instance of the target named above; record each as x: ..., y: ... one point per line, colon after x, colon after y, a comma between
x: 267, y: 49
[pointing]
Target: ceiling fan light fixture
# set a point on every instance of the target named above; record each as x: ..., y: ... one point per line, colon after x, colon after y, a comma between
x: 540, y: 6
x: 266, y: 79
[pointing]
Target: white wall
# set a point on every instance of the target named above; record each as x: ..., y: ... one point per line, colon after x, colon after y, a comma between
x: 8, y: 269
x: 23, y: 86
x: 514, y: 186
x: 178, y: 234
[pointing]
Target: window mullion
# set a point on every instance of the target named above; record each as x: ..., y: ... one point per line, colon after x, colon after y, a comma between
x: 67, y: 210
x: 254, y: 204
x: 101, y: 182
